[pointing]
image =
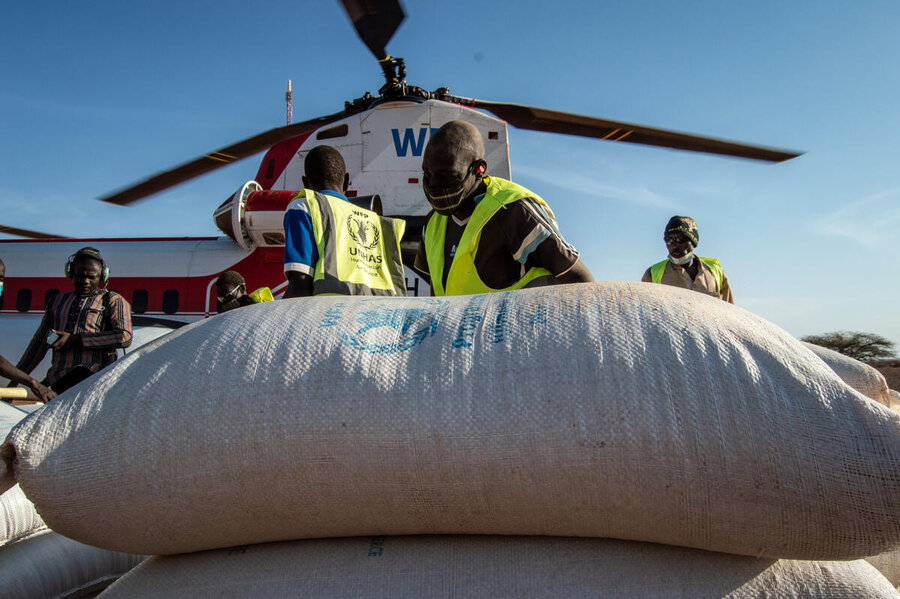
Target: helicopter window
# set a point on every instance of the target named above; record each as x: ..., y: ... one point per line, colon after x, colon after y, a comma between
x: 170, y: 301
x: 270, y: 169
x: 49, y: 295
x: 139, y: 301
x: 23, y: 300
x: 339, y: 131
x: 492, y: 135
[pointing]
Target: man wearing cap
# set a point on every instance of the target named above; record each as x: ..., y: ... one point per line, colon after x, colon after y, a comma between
x: 684, y: 269
x: 486, y: 233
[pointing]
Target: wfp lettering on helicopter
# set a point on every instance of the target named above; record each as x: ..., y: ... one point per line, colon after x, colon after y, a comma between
x: 411, y: 141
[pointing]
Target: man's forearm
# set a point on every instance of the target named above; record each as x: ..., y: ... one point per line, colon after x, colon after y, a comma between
x: 35, y: 352
x: 9, y: 371
x: 299, y: 285
x: 105, y: 339
x: 579, y: 273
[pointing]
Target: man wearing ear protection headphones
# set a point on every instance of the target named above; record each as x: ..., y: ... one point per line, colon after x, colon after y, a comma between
x: 83, y: 327
x: 485, y: 233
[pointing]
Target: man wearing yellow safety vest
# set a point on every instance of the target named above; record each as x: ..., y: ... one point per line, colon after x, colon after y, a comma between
x: 486, y: 233
x: 332, y: 247
x: 231, y: 290
x: 682, y: 268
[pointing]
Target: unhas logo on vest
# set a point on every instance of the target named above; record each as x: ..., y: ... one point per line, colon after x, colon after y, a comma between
x: 366, y: 236
x: 362, y: 231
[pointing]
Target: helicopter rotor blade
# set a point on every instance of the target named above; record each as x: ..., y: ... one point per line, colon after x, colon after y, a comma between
x: 375, y: 22
x: 28, y: 233
x: 213, y: 160
x: 552, y: 121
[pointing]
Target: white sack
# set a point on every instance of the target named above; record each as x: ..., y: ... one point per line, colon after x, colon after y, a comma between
x: 889, y: 565
x: 862, y: 377
x: 50, y: 565
x: 451, y: 566
x: 620, y: 410
x: 9, y: 417
x: 18, y: 518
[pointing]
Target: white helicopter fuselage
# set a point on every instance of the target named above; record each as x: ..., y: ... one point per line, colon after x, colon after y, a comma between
x: 170, y: 281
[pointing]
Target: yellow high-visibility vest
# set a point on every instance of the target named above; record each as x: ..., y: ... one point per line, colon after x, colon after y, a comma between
x: 463, y: 279
x: 657, y: 270
x: 263, y: 294
x: 359, y: 251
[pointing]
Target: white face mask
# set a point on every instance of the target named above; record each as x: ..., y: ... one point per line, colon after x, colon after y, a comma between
x: 684, y: 260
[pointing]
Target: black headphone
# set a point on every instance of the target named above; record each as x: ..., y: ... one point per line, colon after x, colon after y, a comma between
x: 93, y: 254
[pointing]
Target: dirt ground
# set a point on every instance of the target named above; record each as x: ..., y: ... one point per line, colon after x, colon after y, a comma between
x: 891, y: 371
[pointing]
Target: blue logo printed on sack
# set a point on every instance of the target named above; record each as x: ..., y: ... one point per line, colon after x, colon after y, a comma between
x: 332, y: 315
x: 469, y: 322
x: 540, y: 315
x: 498, y: 331
x: 408, y: 327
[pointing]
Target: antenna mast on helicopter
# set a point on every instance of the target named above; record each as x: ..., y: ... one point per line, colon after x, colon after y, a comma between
x: 289, y: 98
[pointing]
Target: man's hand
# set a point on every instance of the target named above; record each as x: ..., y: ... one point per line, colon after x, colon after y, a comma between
x: 43, y: 393
x: 65, y: 341
x: 299, y: 285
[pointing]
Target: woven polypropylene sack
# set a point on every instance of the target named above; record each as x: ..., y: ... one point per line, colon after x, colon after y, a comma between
x: 50, y: 565
x: 895, y: 400
x: 862, y: 377
x: 9, y: 417
x: 460, y: 566
x: 631, y: 411
x: 889, y: 565
x: 18, y: 518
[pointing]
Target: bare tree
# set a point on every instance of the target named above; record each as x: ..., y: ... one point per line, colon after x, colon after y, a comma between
x: 861, y: 346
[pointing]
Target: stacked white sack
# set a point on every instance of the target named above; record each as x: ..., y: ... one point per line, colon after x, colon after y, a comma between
x: 18, y: 517
x: 9, y: 417
x: 47, y: 564
x: 450, y: 566
x: 889, y: 565
x: 862, y: 377
x: 619, y: 410
x: 36, y: 562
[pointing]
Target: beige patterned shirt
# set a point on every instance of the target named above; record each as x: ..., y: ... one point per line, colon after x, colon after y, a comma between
x: 705, y: 282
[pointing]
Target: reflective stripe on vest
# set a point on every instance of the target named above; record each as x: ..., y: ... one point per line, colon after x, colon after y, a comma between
x: 463, y: 277
x: 359, y: 251
x: 657, y: 270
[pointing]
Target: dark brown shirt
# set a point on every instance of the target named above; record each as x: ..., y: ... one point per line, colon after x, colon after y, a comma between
x: 86, y: 316
x: 519, y: 237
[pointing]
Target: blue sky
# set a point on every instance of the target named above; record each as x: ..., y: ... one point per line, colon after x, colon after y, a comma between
x: 97, y: 95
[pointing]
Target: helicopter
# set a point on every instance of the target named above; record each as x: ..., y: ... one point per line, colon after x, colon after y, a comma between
x: 170, y: 281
